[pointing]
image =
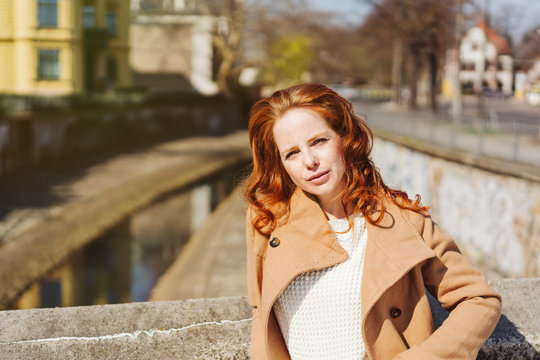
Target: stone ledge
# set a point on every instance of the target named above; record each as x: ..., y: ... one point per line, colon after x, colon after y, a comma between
x: 214, y: 328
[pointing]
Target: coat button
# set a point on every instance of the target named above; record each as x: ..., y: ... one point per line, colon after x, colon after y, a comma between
x: 274, y: 242
x: 395, y: 312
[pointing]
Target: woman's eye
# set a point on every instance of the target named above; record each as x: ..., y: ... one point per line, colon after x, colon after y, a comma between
x: 289, y: 155
x: 320, y: 141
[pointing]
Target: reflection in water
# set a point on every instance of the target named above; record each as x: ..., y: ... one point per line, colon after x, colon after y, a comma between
x: 125, y: 263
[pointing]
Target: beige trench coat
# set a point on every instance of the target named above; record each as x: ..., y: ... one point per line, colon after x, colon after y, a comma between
x: 405, y: 255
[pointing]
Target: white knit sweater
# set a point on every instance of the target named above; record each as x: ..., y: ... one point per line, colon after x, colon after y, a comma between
x: 319, y: 311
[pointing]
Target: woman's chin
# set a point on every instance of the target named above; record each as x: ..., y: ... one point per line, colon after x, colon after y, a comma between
x: 321, y: 192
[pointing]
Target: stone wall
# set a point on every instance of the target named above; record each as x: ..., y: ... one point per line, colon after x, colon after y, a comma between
x: 105, y: 196
x: 44, y: 136
x: 490, y: 207
x: 191, y: 329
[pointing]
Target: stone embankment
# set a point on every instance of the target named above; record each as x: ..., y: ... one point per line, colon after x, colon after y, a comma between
x: 38, y: 238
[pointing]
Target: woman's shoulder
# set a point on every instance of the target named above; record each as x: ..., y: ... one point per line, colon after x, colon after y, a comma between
x: 400, y: 211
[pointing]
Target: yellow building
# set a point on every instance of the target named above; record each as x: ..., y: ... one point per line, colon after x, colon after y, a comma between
x: 58, y: 47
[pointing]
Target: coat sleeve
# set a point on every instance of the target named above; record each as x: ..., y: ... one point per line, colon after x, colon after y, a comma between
x: 254, y: 281
x: 474, y: 306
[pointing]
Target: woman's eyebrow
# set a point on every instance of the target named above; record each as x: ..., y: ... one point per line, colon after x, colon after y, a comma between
x: 323, y: 133
x: 287, y: 150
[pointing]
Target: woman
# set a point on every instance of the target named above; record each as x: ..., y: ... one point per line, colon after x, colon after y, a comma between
x: 338, y: 263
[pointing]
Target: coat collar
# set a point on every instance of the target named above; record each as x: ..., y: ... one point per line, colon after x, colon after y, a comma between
x: 394, y: 245
x: 304, y: 223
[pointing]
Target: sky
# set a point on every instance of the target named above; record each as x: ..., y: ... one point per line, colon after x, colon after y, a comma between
x: 526, y: 12
x: 354, y: 10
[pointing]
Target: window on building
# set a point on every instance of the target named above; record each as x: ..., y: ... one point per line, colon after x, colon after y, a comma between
x: 173, y: 5
x: 467, y: 66
x: 89, y: 13
x: 111, y: 23
x: 48, y: 64
x: 48, y: 13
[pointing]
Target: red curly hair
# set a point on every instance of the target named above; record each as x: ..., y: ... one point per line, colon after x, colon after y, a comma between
x: 269, y: 188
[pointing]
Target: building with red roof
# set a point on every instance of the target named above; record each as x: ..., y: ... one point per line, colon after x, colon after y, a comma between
x: 486, y: 62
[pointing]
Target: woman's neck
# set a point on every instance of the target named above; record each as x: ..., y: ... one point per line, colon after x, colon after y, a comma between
x: 334, y: 209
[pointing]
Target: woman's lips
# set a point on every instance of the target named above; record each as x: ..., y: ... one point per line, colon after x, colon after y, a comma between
x: 319, y: 177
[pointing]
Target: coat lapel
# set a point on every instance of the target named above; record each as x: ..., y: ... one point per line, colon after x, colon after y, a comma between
x: 306, y: 244
x: 393, y: 248
x: 306, y: 229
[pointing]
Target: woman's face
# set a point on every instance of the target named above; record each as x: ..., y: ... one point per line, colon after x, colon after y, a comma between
x: 311, y: 152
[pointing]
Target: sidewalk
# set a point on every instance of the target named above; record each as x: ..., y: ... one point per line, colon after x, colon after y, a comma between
x: 46, y: 216
x: 213, y: 262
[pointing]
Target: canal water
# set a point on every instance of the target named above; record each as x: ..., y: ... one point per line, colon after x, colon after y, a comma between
x: 124, y: 264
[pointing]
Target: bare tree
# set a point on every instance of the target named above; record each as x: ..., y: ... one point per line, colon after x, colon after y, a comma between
x: 424, y: 27
x: 506, y: 18
x: 328, y: 55
x: 229, y: 21
x: 529, y: 46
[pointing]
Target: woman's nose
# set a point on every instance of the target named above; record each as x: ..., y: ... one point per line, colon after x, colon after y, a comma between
x: 310, y: 160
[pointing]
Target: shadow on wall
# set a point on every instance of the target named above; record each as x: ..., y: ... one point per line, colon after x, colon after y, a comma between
x: 506, y: 341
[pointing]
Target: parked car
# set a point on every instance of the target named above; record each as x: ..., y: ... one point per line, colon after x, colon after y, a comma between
x: 533, y: 98
x: 346, y: 91
x: 493, y: 93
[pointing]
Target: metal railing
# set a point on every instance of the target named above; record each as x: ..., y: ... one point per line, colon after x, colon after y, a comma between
x: 507, y: 139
